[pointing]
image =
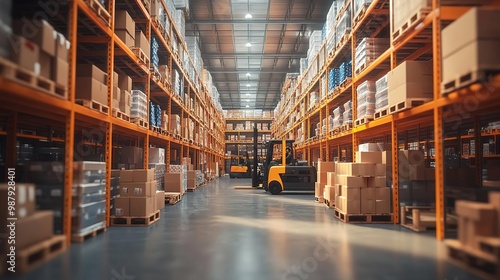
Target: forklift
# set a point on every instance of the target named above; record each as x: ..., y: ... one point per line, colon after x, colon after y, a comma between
x: 242, y: 169
x: 285, y: 173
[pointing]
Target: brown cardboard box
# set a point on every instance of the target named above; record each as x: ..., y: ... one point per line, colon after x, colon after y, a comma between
x: 116, y: 94
x: 90, y: 89
x: 173, y: 182
x: 341, y: 204
x: 352, y: 206
x: 136, y: 189
x: 191, y: 184
x: 125, y: 97
x: 152, y: 187
x: 422, y: 89
x: 367, y: 194
x: 144, y: 175
x: 318, y: 190
x: 42, y: 221
x: 382, y: 206
x: 122, y: 206
x: 125, y: 190
x: 115, y: 79
x: 44, y: 37
x: 115, y: 103
x: 330, y: 178
x: 475, y: 219
x: 475, y: 25
x: 322, y: 178
x: 351, y: 181
x: 411, y: 172
x: 26, y: 54
x: 329, y: 193
x: 369, y: 157
x: 338, y: 189
x: 494, y: 199
x: 356, y: 169
x: 478, y: 55
x: 191, y: 174
x: 412, y: 157
x: 62, y: 48
x: 326, y: 166
x: 123, y: 21
x: 383, y: 194
x: 104, y: 92
x: 337, y: 201
x: 142, y: 42
x: 45, y: 61
x: 351, y: 193
x: 368, y: 206
x: 380, y: 169
x: 409, y: 72
x: 377, y: 182
x: 386, y: 157
x: 125, y: 83
x: 124, y: 108
x: 160, y: 200
x: 127, y: 39
x: 24, y: 196
x: 60, y: 73
x: 142, y: 206
x: 92, y: 71
x: 126, y: 176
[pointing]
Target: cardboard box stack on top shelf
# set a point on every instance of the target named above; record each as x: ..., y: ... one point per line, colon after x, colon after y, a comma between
x: 410, y: 80
x: 125, y: 28
x: 91, y: 83
x: 27, y: 243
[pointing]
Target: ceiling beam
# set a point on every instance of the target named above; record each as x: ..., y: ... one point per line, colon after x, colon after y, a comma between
x: 254, y: 55
x: 257, y: 21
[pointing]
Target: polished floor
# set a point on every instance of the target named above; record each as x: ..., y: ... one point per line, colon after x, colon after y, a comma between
x: 220, y: 233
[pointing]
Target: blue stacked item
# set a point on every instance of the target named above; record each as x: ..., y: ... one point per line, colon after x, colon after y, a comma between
x: 152, y: 120
x: 331, y: 79
x: 345, y: 71
x: 157, y: 115
x: 155, y: 58
x: 337, y: 76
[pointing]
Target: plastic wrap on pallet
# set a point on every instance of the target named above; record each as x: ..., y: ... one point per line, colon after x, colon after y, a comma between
x: 358, y: 4
x: 381, y: 95
x: 347, y: 117
x: 182, y: 5
x: 180, y: 22
x: 303, y: 65
x: 343, y: 26
x: 183, y: 170
x: 345, y: 71
x: 139, y: 105
x: 171, y: 8
x: 160, y: 170
x: 88, y: 217
x: 337, y: 112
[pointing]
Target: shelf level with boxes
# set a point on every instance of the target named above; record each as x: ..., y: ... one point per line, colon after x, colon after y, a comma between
x: 380, y: 77
x: 99, y: 79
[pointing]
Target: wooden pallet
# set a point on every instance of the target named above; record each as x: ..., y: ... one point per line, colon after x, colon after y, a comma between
x: 193, y: 189
x: 147, y: 5
x: 362, y: 121
x: 423, y: 218
x: 319, y: 199
x: 343, y: 84
x: 14, y: 72
x: 172, y: 198
x: 343, y: 40
x: 135, y: 221
x: 155, y: 74
x: 156, y: 22
x: 479, y: 262
x: 140, y: 122
x: 120, y: 115
x: 94, y: 105
x: 155, y: 129
x: 411, y: 23
x: 99, y: 10
x: 360, y: 15
x: 407, y: 104
x: 342, y: 10
x: 364, y: 218
x: 143, y: 59
x: 466, y: 79
x: 381, y: 113
x: 80, y: 238
x: 329, y: 204
x: 33, y: 256
x: 346, y: 127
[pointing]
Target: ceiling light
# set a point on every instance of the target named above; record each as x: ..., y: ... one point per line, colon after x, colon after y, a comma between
x: 248, y: 45
x: 248, y: 16
x: 248, y: 106
x: 247, y: 100
x: 248, y: 74
x: 248, y: 94
x: 248, y: 85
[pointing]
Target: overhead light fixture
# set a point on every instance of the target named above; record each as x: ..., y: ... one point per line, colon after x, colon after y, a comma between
x: 248, y: 74
x: 247, y: 100
x: 248, y: 45
x: 248, y: 106
x: 248, y: 16
x: 248, y: 85
x: 248, y: 94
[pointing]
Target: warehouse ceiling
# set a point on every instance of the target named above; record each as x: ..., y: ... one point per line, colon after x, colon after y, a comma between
x: 251, y: 77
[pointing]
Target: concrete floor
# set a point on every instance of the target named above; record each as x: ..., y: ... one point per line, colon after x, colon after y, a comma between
x: 224, y: 234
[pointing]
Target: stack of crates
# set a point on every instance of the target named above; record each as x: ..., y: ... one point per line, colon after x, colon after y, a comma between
x: 381, y: 95
x: 139, y: 107
x: 155, y: 58
x: 347, y: 115
x: 160, y: 170
x: 366, y: 100
x: 343, y: 27
x: 345, y: 71
x: 155, y: 114
x: 182, y: 169
x: 368, y: 50
x: 358, y: 5
x: 338, y: 116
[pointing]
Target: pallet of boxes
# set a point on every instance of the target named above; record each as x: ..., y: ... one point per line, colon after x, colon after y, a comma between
x: 478, y: 244
x: 175, y: 183
x: 361, y: 195
x: 326, y: 169
x: 30, y: 248
x: 139, y: 203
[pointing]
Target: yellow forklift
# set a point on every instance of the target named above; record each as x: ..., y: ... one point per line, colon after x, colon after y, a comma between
x: 242, y: 169
x: 282, y: 172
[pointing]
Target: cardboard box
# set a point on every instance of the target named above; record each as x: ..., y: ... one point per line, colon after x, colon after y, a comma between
x: 125, y: 97
x: 173, y: 182
x: 127, y: 39
x: 136, y: 189
x: 323, y: 178
x: 356, y: 169
x: 351, y: 181
x: 60, y: 72
x: 413, y: 157
x: 45, y: 35
x: 125, y: 83
x: 62, y: 48
x: 92, y: 71
x: 377, y: 182
x: 126, y: 176
x: 494, y: 199
x: 330, y: 178
x: 160, y: 200
x: 422, y: 89
x: 142, y: 206
x: 319, y: 190
x: 191, y: 184
x: 352, y: 206
x: 45, y: 61
x: 329, y: 193
x: 326, y: 166
x: 115, y: 79
x: 337, y: 201
x: 24, y: 196
x: 410, y: 72
x: 144, y: 175
x: 153, y: 187
x: 411, y: 172
x: 156, y: 155
x: 387, y: 157
x: 124, y: 22
x: 383, y: 194
x: 475, y: 25
x: 371, y: 147
x: 369, y: 157
x: 351, y: 193
x: 475, y: 219
x: 124, y: 108
x: 90, y: 89
x: 26, y: 54
x: 367, y: 194
x: 382, y: 206
x: 116, y: 94
x: 122, y: 206
x: 368, y: 206
x: 142, y: 42
x: 191, y: 174
x: 380, y: 169
x: 41, y: 221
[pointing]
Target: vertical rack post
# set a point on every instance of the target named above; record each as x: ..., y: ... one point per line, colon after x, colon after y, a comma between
x: 109, y: 127
x: 395, y: 170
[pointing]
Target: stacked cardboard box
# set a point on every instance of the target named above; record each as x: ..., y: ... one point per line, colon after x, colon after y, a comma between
x: 32, y: 227
x: 124, y: 98
x: 191, y: 179
x: 114, y: 189
x: 137, y: 194
x: 160, y: 170
x: 176, y: 179
x: 323, y: 168
x: 125, y: 28
x: 175, y: 124
x: 470, y: 44
x: 347, y: 115
x: 411, y: 79
x: 131, y: 157
x: 142, y: 43
x: 91, y: 83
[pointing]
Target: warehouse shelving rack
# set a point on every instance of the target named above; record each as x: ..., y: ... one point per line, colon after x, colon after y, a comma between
x: 59, y: 120
x: 420, y: 43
